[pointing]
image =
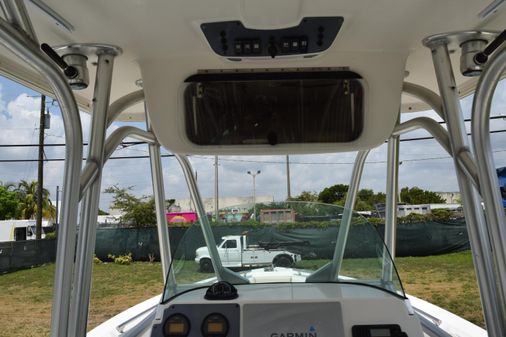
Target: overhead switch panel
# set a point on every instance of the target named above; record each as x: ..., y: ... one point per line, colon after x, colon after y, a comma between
x: 232, y: 40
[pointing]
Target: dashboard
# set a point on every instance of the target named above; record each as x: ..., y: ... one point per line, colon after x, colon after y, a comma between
x: 288, y: 310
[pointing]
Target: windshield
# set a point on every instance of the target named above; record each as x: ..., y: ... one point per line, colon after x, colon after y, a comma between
x: 285, y: 242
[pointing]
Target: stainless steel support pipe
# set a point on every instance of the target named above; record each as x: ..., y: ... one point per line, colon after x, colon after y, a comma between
x: 90, y: 171
x: 115, y: 109
x: 478, y: 233
x: 155, y: 161
x: 344, y: 227
x: 18, y: 44
x: 123, y: 103
x: 465, y: 158
x: 88, y: 176
x: 429, y: 125
x: 89, y: 211
x: 466, y: 163
x: 15, y: 12
x: 392, y: 195
x: 480, y: 125
x: 426, y: 96
x: 119, y: 135
x: 222, y: 273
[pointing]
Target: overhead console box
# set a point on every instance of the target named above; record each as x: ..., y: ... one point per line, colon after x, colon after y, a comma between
x: 231, y: 39
x: 272, y: 108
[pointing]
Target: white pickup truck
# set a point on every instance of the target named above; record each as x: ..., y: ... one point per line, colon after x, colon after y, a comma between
x: 235, y: 252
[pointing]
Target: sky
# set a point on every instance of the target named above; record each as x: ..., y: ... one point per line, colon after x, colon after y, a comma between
x: 424, y: 162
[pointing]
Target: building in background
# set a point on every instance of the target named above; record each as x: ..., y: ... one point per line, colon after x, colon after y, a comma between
x: 278, y: 215
x: 110, y: 220
x: 181, y: 217
x: 186, y: 205
x: 406, y: 209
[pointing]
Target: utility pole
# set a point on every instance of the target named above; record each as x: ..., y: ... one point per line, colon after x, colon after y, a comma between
x: 57, y: 207
x: 253, y: 175
x: 40, y: 182
x: 288, y: 193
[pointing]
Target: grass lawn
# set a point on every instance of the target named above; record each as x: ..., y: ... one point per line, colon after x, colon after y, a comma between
x: 25, y: 296
x: 448, y: 281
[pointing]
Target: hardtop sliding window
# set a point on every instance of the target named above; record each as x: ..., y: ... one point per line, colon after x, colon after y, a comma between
x: 274, y: 108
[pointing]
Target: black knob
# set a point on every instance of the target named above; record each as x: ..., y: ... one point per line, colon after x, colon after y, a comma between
x: 272, y: 50
x: 482, y: 57
x: 69, y: 71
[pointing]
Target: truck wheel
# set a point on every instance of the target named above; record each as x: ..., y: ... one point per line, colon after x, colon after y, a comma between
x: 283, y: 261
x: 206, y: 266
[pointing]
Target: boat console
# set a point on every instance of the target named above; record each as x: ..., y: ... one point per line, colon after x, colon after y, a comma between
x: 335, y: 288
x: 289, y: 310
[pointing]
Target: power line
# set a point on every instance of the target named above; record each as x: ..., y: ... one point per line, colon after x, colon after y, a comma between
x: 63, y: 144
x: 124, y: 144
x: 430, y: 137
x: 242, y: 160
x: 328, y: 163
x: 62, y: 159
x: 128, y: 144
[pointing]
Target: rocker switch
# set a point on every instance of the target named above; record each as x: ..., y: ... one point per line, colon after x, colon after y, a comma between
x: 238, y: 47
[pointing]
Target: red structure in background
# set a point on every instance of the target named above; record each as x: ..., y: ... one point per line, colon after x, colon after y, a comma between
x: 181, y: 217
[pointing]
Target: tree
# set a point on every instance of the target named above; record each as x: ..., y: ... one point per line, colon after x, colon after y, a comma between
x: 416, y: 195
x: 27, y: 194
x: 305, y: 196
x: 370, y: 198
x: 9, y: 203
x: 137, y: 211
x: 362, y: 205
x: 332, y: 194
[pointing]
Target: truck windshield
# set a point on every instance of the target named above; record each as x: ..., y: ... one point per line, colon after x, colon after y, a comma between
x: 286, y: 242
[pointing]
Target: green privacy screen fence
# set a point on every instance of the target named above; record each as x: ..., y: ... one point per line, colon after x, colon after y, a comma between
x: 413, y: 239
x: 16, y: 255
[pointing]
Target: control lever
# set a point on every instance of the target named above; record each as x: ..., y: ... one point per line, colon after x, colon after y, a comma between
x: 482, y: 57
x: 69, y: 71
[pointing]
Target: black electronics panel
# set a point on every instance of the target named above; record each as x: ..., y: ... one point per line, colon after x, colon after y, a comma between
x: 199, y: 320
x: 231, y: 39
x: 378, y: 330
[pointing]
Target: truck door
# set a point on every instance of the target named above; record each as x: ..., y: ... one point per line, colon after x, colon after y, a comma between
x: 232, y: 253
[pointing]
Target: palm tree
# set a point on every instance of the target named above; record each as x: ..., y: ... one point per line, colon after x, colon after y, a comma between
x: 27, y: 193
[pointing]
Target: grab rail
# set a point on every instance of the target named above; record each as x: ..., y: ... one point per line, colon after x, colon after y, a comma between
x: 28, y: 51
x: 480, y: 127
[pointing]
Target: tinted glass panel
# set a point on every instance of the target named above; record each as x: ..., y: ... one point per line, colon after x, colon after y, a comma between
x: 274, y: 111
